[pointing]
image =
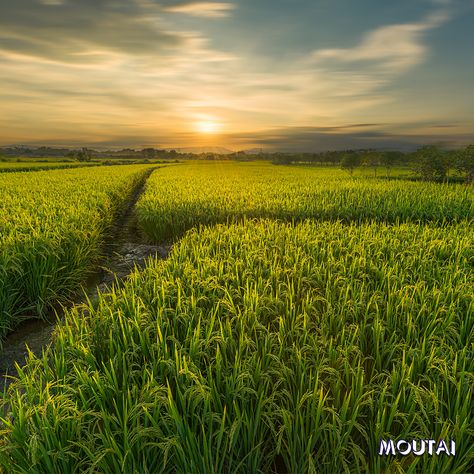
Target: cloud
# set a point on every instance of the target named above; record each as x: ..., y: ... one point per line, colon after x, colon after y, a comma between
x: 314, y: 139
x: 110, y: 68
x: 77, y: 31
x: 202, y: 9
x: 386, y: 52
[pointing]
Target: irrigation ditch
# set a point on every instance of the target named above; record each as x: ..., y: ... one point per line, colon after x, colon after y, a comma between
x: 124, y: 249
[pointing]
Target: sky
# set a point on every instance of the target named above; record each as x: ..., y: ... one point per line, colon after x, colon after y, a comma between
x: 302, y: 75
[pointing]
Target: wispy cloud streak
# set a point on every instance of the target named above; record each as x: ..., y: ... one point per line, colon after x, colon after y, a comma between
x: 202, y: 9
x: 385, y: 52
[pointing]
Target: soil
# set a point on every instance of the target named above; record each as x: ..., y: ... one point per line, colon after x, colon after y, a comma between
x: 125, y: 248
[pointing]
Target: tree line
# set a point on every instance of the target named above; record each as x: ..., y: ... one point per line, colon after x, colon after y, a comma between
x: 430, y: 163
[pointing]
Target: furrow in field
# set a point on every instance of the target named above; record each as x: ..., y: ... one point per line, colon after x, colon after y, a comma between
x: 122, y: 248
x: 52, y: 226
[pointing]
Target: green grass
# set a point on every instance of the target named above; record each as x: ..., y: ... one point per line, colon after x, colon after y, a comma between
x: 179, y: 199
x: 13, y: 166
x: 52, y: 224
x: 261, y: 347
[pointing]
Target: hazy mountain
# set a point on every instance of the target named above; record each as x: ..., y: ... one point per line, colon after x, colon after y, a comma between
x: 204, y: 149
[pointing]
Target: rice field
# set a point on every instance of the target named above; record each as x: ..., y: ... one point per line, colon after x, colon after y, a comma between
x: 51, y: 226
x: 205, y: 194
x: 13, y: 167
x: 301, y: 316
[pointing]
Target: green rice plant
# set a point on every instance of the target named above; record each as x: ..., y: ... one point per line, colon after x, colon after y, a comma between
x: 261, y: 347
x: 13, y: 166
x: 52, y: 224
x: 179, y: 199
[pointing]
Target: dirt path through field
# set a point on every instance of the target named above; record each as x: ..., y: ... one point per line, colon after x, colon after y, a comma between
x: 125, y: 247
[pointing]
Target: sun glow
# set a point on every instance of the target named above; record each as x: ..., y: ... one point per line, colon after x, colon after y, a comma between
x: 208, y: 126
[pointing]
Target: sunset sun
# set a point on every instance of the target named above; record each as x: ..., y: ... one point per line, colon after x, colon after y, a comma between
x: 208, y: 126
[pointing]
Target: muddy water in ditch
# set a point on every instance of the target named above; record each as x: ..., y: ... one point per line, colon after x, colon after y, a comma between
x: 124, y: 249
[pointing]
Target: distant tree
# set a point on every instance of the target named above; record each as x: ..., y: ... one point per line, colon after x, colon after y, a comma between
x: 401, y: 159
x: 84, y: 155
x: 350, y: 161
x: 431, y: 163
x: 282, y: 159
x: 389, y: 159
x: 372, y: 160
x: 450, y: 158
x: 149, y: 153
x: 333, y: 158
x: 464, y: 163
